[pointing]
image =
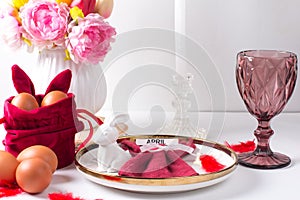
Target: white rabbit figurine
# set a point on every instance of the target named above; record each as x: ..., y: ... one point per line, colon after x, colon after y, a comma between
x: 110, y: 155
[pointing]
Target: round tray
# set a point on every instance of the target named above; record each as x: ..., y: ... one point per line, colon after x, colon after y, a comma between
x: 86, y: 163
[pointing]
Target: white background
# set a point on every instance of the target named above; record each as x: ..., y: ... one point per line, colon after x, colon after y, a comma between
x: 221, y: 28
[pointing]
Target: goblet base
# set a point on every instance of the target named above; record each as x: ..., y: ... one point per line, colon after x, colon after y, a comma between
x: 272, y: 161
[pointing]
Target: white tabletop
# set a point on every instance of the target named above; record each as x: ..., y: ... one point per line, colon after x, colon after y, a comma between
x: 244, y: 184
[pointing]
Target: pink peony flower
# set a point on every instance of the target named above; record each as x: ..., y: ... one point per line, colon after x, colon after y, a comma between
x: 12, y: 35
x: 45, y: 22
x: 87, y: 6
x: 89, y: 40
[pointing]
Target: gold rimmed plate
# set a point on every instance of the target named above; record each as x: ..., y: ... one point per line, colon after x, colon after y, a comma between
x: 86, y: 164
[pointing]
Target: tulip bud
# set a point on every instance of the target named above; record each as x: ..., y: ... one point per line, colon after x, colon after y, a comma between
x: 64, y: 1
x: 104, y: 7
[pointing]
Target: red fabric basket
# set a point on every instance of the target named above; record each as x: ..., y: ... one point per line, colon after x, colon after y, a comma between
x: 53, y: 126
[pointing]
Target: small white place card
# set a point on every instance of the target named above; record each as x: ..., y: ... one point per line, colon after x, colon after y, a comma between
x: 161, y: 141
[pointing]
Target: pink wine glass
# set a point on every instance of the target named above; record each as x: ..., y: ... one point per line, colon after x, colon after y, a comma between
x: 266, y: 80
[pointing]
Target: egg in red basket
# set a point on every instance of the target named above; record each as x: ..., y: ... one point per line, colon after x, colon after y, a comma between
x: 33, y: 175
x: 53, y: 97
x: 25, y: 101
x: 40, y: 151
x: 8, y: 166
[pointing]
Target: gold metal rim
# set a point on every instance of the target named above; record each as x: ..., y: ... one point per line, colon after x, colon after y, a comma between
x: 160, y: 181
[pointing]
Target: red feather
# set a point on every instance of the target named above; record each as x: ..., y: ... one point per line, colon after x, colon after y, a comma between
x: 8, y: 192
x: 210, y: 164
x: 60, y: 196
x: 66, y: 196
x: 242, y: 147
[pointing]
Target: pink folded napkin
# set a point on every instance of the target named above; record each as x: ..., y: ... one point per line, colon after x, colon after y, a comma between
x: 157, y: 164
x: 131, y: 146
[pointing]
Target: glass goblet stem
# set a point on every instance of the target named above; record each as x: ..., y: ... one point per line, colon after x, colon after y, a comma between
x: 263, y: 157
x: 263, y: 134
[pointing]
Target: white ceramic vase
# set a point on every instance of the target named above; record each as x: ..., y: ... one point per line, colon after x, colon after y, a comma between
x: 88, y: 81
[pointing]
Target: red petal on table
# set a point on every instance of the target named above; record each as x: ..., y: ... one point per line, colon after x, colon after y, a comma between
x: 8, y: 192
x: 66, y: 196
x: 242, y: 147
x: 210, y: 164
x: 60, y: 196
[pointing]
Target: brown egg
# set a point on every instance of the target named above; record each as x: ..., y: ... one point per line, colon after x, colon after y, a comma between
x: 53, y: 97
x: 33, y: 175
x: 8, y: 166
x: 25, y: 101
x: 40, y: 151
